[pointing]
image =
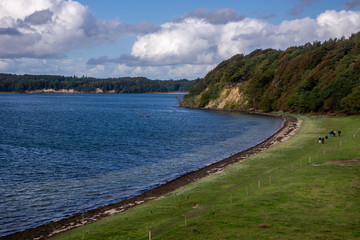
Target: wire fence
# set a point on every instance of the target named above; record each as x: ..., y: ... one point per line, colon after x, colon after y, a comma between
x: 217, y: 205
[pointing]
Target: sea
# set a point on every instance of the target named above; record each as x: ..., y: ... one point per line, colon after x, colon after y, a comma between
x: 64, y: 154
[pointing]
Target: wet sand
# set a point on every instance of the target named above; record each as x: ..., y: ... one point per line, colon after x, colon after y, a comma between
x: 291, y: 124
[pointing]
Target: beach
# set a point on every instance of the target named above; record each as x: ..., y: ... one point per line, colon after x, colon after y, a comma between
x: 291, y: 124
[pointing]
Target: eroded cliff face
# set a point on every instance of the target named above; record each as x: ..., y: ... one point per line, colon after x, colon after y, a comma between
x: 230, y: 98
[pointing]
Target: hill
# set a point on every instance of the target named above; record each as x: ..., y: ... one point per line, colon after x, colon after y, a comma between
x: 315, y: 77
x: 53, y: 83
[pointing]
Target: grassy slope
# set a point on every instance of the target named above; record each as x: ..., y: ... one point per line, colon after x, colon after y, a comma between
x: 295, y: 200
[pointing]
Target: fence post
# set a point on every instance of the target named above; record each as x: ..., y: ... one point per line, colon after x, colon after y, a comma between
x: 83, y: 227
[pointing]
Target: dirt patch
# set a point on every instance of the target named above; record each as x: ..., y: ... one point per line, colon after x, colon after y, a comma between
x: 290, y: 125
x: 343, y: 163
x: 227, y: 97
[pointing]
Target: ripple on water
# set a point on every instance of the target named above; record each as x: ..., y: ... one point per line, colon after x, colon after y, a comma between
x: 65, y: 154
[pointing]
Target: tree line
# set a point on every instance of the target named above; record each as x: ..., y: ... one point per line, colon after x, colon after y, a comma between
x: 28, y: 83
x: 315, y: 77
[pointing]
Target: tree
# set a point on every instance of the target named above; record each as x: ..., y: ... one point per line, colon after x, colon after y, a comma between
x: 351, y: 103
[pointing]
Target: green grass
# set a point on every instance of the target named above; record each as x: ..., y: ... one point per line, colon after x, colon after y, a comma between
x: 275, y: 194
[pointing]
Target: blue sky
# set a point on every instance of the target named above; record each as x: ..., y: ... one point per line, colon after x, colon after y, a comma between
x: 158, y: 39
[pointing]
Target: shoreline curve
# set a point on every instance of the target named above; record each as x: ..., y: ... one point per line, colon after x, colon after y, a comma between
x: 290, y: 126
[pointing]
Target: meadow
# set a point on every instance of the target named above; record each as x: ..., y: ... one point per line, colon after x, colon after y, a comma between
x: 297, y: 189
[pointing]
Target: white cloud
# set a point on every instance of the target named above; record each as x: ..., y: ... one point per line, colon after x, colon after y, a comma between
x: 78, y: 67
x: 197, y: 41
x: 191, y: 45
x: 188, y: 47
x: 98, y: 70
x: 190, y: 71
x: 53, y: 66
x: 163, y: 72
x: 239, y: 37
x: 21, y: 8
x: 188, y: 41
x: 43, y: 28
x: 337, y: 24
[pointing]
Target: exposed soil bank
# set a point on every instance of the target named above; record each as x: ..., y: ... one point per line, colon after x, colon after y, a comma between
x: 291, y: 124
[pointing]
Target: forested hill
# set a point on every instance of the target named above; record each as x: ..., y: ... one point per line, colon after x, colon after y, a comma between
x: 51, y: 83
x: 318, y: 77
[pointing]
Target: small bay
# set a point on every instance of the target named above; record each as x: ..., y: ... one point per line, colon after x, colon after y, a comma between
x: 62, y: 154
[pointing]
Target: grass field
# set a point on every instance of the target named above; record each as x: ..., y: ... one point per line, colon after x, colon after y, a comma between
x: 276, y: 194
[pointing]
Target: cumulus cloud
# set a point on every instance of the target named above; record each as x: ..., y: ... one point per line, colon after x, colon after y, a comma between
x: 188, y: 46
x: 188, y: 41
x: 192, y: 41
x: 196, y: 41
x: 43, y: 28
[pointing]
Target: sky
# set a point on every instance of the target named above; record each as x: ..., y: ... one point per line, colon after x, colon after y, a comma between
x: 158, y: 39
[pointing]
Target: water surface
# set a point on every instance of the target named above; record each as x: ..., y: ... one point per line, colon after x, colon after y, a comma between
x: 62, y: 154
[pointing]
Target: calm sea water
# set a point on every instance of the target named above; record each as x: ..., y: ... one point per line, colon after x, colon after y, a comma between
x: 64, y: 154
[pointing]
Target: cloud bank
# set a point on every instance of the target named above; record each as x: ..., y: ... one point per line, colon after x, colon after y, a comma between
x: 187, y: 46
x: 47, y: 28
x: 199, y: 41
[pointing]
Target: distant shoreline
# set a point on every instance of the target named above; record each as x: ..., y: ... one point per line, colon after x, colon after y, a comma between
x: 73, y: 91
x: 290, y: 125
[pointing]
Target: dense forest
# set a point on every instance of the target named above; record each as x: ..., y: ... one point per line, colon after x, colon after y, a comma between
x: 30, y: 83
x: 316, y: 77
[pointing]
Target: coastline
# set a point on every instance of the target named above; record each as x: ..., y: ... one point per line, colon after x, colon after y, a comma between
x: 291, y: 124
x: 96, y: 91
